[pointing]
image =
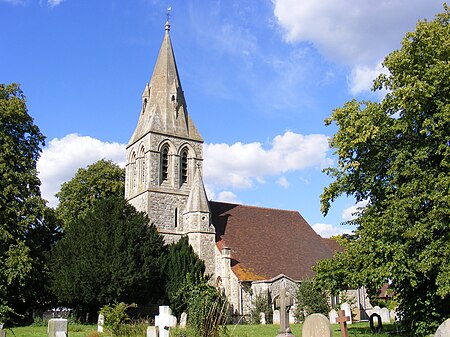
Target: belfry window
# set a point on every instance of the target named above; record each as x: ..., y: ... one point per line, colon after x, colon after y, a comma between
x: 165, y: 164
x: 184, y: 167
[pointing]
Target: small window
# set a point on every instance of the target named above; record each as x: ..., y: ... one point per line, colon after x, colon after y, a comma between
x: 184, y: 167
x: 165, y: 164
x: 176, y: 217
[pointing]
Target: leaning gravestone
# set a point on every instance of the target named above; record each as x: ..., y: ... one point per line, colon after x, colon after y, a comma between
x: 316, y: 325
x: 385, y: 315
x: 101, y: 321
x: 165, y: 320
x: 348, y: 311
x: 57, y: 327
x: 444, y: 329
x: 183, y: 320
x: 333, y: 316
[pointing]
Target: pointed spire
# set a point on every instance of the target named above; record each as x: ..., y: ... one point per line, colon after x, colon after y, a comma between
x: 197, y: 200
x: 166, y: 110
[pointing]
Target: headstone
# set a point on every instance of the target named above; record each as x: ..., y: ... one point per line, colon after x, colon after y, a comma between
x: 342, y: 320
x: 376, y: 309
x: 57, y: 327
x: 375, y: 328
x: 165, y: 320
x: 333, y: 316
x: 183, y: 320
x: 2, y: 333
x: 444, y: 329
x: 276, y: 317
x: 348, y: 311
x: 152, y: 331
x: 385, y: 316
x: 316, y: 325
x: 262, y: 318
x: 101, y: 321
x: 284, y: 303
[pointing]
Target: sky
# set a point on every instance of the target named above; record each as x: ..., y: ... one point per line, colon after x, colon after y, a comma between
x: 259, y: 77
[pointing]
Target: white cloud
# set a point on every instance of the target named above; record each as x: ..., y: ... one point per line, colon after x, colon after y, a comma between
x: 228, y: 196
x: 240, y: 165
x: 54, y: 3
x: 61, y: 158
x: 282, y: 181
x: 327, y: 230
x: 352, y: 32
x: 15, y: 2
x: 361, y: 78
x: 350, y: 212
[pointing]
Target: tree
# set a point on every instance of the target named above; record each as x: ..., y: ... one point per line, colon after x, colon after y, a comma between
x: 27, y: 227
x: 310, y: 299
x: 395, y: 155
x: 99, y: 180
x: 181, y: 260
x: 108, y: 254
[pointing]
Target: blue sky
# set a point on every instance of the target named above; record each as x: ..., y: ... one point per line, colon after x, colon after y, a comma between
x: 259, y: 78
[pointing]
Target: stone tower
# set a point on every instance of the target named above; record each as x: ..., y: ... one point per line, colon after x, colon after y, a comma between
x: 164, y: 158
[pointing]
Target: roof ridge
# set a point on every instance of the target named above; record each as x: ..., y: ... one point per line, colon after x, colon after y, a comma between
x: 259, y: 207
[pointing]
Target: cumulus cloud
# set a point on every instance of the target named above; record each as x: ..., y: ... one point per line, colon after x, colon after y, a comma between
x: 61, y: 158
x: 283, y: 182
x: 327, y: 230
x: 361, y: 77
x: 228, y: 196
x: 241, y: 165
x: 350, y: 213
x: 54, y: 3
x: 352, y: 32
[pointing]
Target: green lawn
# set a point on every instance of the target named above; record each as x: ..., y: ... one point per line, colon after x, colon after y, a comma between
x: 76, y: 330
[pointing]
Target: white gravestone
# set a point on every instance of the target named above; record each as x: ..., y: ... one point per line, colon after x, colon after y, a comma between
x: 152, y: 331
x: 57, y: 327
x: 183, y: 320
x: 2, y: 333
x: 333, y: 316
x: 101, y: 321
x: 262, y: 318
x: 385, y: 316
x: 348, y: 311
x: 316, y: 325
x: 276, y: 316
x: 444, y: 329
x: 165, y: 320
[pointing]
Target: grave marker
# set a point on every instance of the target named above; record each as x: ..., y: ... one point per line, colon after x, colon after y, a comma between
x: 348, y: 311
x: 342, y: 320
x: 316, y: 325
x: 165, y: 320
x: 444, y: 329
x: 284, y: 303
x: 385, y: 316
x: 183, y: 320
x: 333, y: 316
x: 57, y: 327
x: 379, y: 327
x: 100, y: 322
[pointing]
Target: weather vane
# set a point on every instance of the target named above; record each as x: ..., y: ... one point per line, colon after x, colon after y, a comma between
x: 169, y: 9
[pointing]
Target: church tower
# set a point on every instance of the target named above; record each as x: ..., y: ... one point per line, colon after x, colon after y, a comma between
x: 164, y: 158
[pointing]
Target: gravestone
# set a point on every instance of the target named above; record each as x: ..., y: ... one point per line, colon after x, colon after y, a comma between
x: 165, y: 320
x: 348, y: 311
x: 262, y: 318
x: 385, y: 316
x: 375, y: 328
x: 333, y: 316
x: 152, y: 331
x: 183, y: 320
x: 276, y: 317
x: 376, y: 309
x: 57, y: 327
x: 2, y: 332
x: 342, y: 320
x: 284, y: 303
x: 316, y: 325
x: 444, y: 329
x: 100, y: 322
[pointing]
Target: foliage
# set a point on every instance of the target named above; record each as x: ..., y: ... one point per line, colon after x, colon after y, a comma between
x: 116, y: 316
x: 395, y: 155
x: 181, y: 260
x: 207, y: 309
x: 100, y: 180
x: 109, y: 254
x: 27, y: 227
x: 310, y: 300
x: 261, y: 303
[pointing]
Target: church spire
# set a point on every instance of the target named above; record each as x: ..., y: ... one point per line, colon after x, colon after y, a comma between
x: 197, y: 200
x: 163, y: 105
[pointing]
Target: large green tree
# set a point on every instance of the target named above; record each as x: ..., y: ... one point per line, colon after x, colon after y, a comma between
x: 108, y: 254
x: 99, y: 180
x: 27, y: 227
x: 396, y: 155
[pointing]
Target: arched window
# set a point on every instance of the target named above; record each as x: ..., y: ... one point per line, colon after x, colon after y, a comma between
x: 133, y: 171
x: 143, y: 168
x: 165, y: 164
x: 184, y: 167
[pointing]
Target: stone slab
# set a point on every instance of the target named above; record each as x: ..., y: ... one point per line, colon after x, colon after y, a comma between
x: 316, y: 325
x: 444, y: 329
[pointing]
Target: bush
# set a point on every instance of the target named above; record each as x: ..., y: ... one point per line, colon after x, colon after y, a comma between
x: 116, y: 318
x: 261, y: 303
x: 310, y: 300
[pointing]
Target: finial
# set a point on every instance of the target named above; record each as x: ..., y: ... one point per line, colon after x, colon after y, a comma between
x: 168, y: 18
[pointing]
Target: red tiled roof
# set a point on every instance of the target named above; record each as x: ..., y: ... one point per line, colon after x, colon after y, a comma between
x: 268, y: 242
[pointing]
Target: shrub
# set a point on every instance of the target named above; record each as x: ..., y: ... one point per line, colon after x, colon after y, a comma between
x: 116, y: 317
x: 261, y: 303
x: 310, y: 300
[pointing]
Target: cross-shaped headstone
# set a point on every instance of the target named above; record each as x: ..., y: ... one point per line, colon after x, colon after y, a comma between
x: 165, y: 320
x: 342, y: 320
x: 283, y: 303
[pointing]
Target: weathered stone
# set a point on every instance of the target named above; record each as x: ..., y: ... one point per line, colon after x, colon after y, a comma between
x: 284, y: 303
x: 100, y: 322
x: 348, y: 311
x: 276, y: 317
x: 444, y: 329
x: 57, y: 327
x: 333, y: 316
x: 183, y: 320
x: 316, y: 325
x: 262, y: 318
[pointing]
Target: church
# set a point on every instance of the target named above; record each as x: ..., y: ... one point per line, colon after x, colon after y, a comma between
x: 249, y: 250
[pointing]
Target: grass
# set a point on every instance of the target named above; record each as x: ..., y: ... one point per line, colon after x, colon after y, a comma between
x: 78, y: 330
